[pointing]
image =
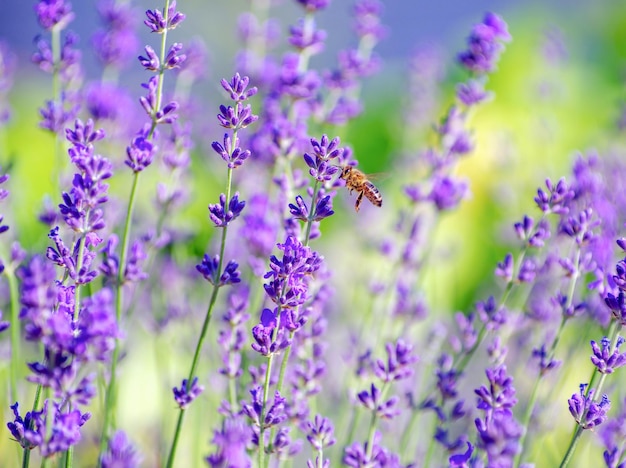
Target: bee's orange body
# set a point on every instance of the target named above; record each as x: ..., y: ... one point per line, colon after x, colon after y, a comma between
x: 357, y: 181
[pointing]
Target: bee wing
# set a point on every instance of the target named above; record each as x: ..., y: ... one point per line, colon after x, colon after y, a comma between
x: 378, y: 176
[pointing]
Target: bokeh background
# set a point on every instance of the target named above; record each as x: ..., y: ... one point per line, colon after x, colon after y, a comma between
x: 559, y: 90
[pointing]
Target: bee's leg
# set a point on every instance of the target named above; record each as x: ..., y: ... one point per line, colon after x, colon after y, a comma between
x: 359, y: 199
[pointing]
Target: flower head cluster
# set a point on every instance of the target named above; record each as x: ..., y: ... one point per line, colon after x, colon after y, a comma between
x: 612, y: 434
x: 209, y: 268
x: 231, y: 441
x: 55, y: 15
x: 320, y: 162
x: 3, y: 194
x: 606, y: 359
x: 224, y: 212
x: 187, y: 392
x: 120, y: 452
x: 238, y: 117
x: 116, y: 42
x: 587, y: 412
x: 71, y: 337
x: 232, y: 337
x: 8, y: 62
x: 51, y: 429
x: 498, y: 431
x: 81, y: 209
x: 485, y: 44
x: 158, y: 21
x: 150, y: 103
x: 289, y: 277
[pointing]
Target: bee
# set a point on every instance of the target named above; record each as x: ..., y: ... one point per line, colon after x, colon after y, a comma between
x: 357, y: 181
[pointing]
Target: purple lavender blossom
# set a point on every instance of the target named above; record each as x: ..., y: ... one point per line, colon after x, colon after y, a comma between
x: 320, y: 432
x: 491, y: 314
x: 606, y: 359
x: 234, y: 157
x: 149, y: 102
x: 275, y: 413
x: 4, y: 193
x: 367, y: 15
x: 140, y: 153
x: 447, y: 193
x: 555, y: 200
x: 54, y: 13
x: 304, y: 37
x: 324, y: 151
x: 158, y: 21
x: 116, y: 42
x: 185, y: 395
x: 372, y: 400
x: 50, y: 429
x: 399, y: 362
x: 209, y: 269
x: 8, y: 62
x: 500, y: 396
x: 485, y: 44
x: 54, y: 116
x: 617, y: 305
x: 472, y: 93
x: 222, y: 214
x: 461, y: 460
x: 546, y: 364
x: 499, y: 437
x: 120, y: 452
x: 360, y: 455
x: 612, y: 434
x: 312, y: 6
x: 504, y: 269
x: 586, y: 411
x: 232, y: 441
x: 269, y: 336
x: 288, y: 278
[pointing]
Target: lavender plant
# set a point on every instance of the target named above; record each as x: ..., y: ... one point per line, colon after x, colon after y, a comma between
x: 289, y: 330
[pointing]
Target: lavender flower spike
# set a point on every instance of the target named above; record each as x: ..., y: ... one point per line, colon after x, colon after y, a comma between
x: 121, y: 453
x: 588, y: 413
x: 187, y: 393
x: 605, y: 359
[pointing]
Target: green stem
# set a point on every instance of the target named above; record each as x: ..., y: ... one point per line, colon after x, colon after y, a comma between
x: 354, y: 422
x: 77, y: 286
x: 550, y: 356
x: 370, y: 436
x: 572, y: 446
x: 15, y: 332
x: 309, y: 222
x: 207, y: 319
x: 372, y: 429
x: 266, y: 389
x: 110, y: 395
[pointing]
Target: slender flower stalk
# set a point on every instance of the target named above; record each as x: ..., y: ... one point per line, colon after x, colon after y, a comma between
x: 140, y: 154
x: 230, y: 207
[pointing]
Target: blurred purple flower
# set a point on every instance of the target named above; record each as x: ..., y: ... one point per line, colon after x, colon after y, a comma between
x: 116, y: 43
x: 231, y: 442
x: 485, y: 44
x: 120, y: 453
x: 51, y: 13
